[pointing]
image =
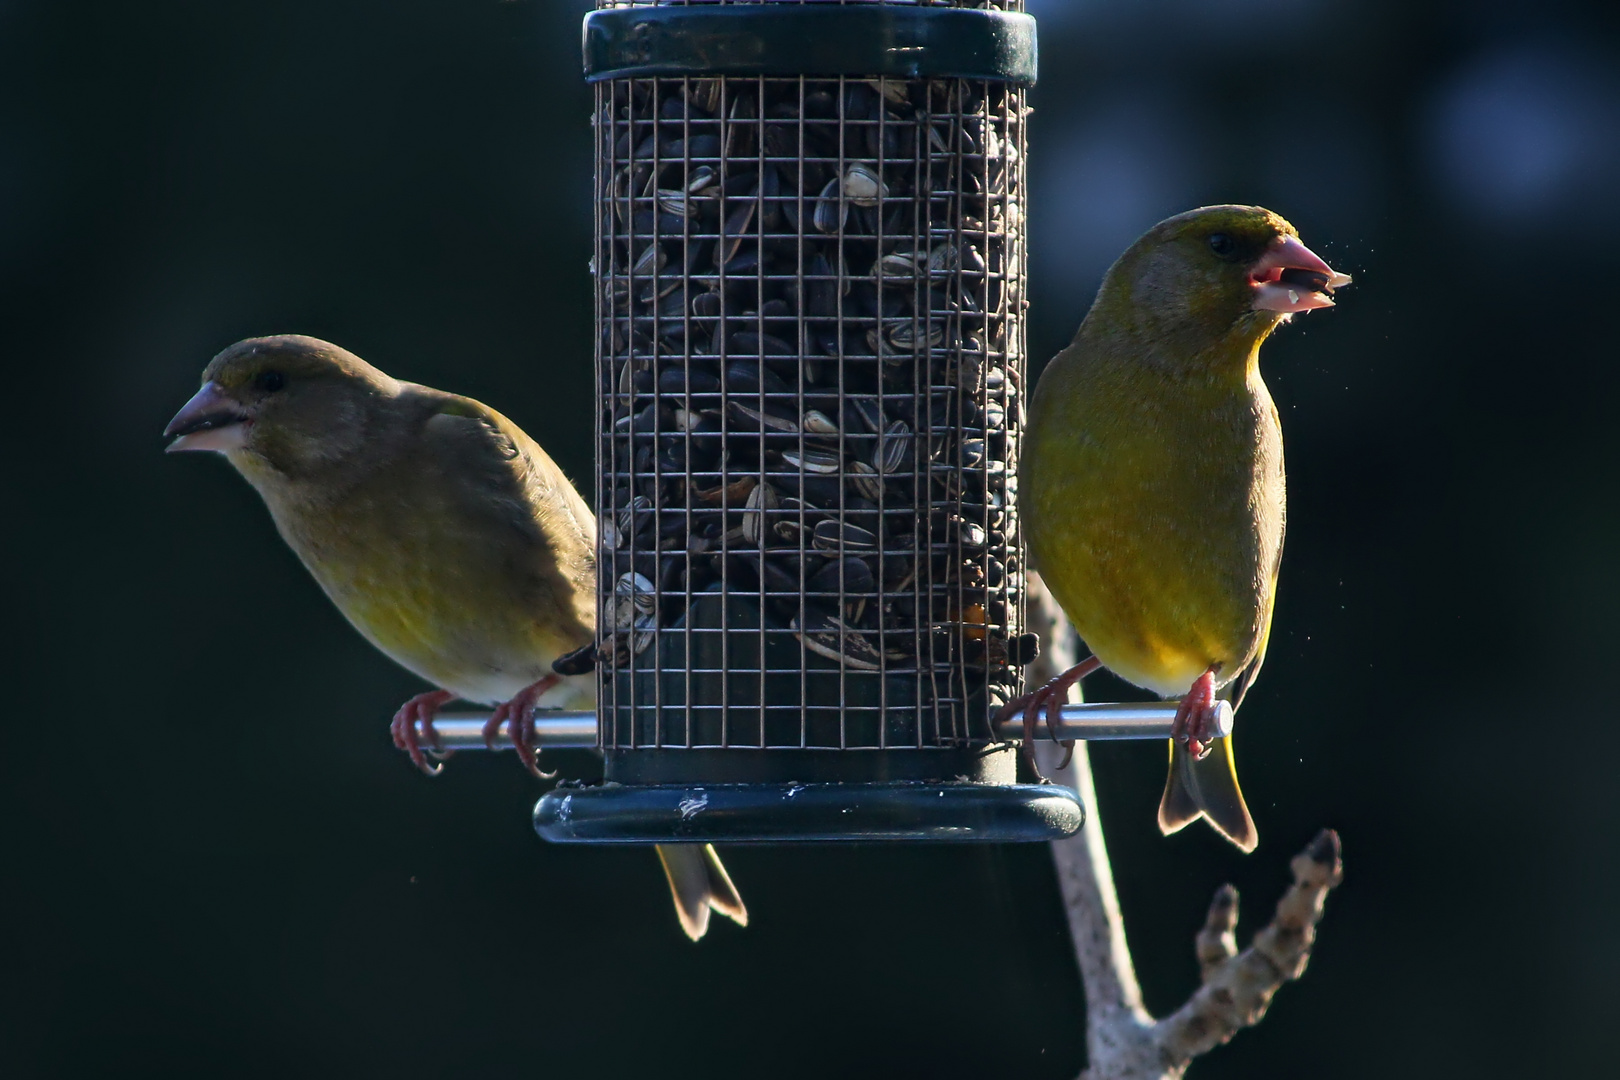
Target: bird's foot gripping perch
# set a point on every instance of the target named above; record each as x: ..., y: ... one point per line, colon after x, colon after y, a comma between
x: 413, y: 726
x: 518, y: 714
x: 1053, y: 694
x: 1198, y: 716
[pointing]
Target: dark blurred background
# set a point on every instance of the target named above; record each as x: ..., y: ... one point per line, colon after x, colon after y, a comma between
x: 215, y: 862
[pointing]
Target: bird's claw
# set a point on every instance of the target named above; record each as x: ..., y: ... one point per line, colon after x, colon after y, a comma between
x: 518, y: 715
x: 1052, y: 695
x: 413, y: 726
x: 1198, y: 717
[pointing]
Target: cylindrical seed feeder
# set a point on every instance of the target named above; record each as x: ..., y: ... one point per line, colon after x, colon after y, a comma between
x: 810, y: 358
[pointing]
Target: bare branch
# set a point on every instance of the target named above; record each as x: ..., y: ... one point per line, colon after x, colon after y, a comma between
x: 1237, y: 990
x: 1123, y: 1042
x: 1114, y: 1008
x: 1217, y: 941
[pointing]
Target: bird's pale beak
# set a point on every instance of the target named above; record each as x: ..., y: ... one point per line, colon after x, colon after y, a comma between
x: 1291, y: 277
x: 211, y: 420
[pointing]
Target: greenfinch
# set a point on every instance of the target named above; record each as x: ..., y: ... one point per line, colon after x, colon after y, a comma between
x: 445, y: 534
x: 1152, y: 481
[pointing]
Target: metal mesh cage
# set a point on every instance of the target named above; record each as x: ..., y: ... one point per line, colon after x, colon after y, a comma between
x: 810, y: 360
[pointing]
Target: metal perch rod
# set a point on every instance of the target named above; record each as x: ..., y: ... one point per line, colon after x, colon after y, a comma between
x: 1094, y: 722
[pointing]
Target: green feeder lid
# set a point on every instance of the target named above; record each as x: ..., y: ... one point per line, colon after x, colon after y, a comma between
x: 868, y: 41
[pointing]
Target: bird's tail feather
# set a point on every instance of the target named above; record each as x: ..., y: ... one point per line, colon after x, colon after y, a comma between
x: 700, y: 883
x: 1206, y: 789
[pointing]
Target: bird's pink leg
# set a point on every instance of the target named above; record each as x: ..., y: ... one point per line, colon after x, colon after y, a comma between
x: 420, y: 710
x: 1052, y: 695
x: 518, y: 714
x: 1197, y: 717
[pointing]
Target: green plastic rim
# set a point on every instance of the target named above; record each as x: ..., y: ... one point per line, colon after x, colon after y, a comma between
x: 905, y: 812
x: 810, y: 39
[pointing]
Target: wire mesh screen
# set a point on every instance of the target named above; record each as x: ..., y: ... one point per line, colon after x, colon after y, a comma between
x: 810, y: 361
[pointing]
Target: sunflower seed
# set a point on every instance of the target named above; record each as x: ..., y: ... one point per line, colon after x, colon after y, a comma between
x: 651, y: 260
x: 831, y: 211
x: 837, y: 536
x: 748, y: 343
x: 944, y: 259
x: 829, y: 636
x: 842, y: 578
x: 819, y: 423
x: 971, y: 534
x: 659, y: 288
x: 764, y: 420
x: 894, y: 448
x: 760, y: 500
x: 700, y: 180
x: 813, y: 460
x: 896, y: 264
x: 633, y: 599
x: 870, y: 412
x: 673, y: 201
x: 906, y: 335
x: 644, y: 634
x: 866, y: 480
x: 862, y: 186
x: 687, y: 380
x: 707, y: 305
x: 628, y: 523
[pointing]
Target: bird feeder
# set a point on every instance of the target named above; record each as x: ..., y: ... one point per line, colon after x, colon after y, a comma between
x: 809, y: 265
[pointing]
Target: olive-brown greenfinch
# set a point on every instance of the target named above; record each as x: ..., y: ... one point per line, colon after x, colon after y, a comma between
x: 1152, y: 479
x: 441, y: 531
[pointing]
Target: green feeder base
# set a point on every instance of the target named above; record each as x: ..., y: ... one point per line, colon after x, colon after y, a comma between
x: 908, y: 811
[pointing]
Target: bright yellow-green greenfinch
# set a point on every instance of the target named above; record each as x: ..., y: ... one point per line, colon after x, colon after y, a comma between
x: 1152, y: 480
x: 441, y: 531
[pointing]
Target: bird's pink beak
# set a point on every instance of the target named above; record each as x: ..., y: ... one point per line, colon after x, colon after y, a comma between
x: 1291, y: 277
x: 211, y: 420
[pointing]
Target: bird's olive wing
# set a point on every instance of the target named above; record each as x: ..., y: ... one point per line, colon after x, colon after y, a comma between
x: 504, y: 479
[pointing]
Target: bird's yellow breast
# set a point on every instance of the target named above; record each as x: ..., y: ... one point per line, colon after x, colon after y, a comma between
x: 1154, y: 512
x: 432, y: 591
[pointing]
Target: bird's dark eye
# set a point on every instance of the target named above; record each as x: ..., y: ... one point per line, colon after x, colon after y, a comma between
x: 1222, y: 245
x: 271, y: 381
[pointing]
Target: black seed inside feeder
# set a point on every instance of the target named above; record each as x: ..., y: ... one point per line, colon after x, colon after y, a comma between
x: 810, y: 360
